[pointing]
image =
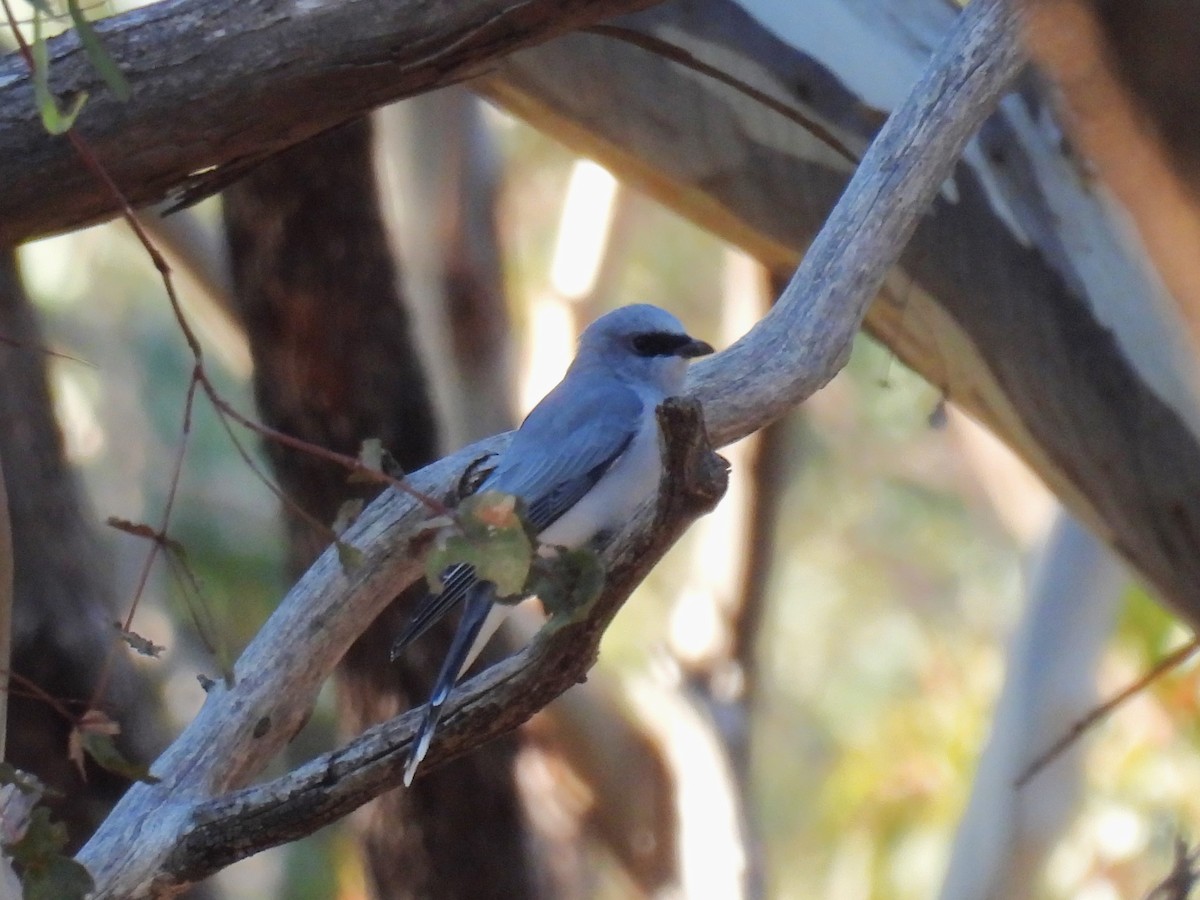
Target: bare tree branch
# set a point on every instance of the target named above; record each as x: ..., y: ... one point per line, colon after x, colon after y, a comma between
x: 218, y: 85
x: 489, y: 705
x: 794, y: 350
x: 805, y: 339
x: 1021, y: 296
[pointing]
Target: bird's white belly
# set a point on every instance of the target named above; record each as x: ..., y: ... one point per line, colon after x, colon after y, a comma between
x: 632, y: 479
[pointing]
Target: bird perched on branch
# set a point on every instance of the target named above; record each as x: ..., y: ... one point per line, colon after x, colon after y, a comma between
x: 582, y: 461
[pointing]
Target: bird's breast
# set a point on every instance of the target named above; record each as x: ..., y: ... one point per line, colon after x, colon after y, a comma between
x: 630, y: 480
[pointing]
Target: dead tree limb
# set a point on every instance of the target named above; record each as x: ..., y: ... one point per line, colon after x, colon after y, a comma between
x: 218, y: 85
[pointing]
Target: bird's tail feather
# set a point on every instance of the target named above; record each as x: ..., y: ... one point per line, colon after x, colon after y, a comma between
x: 475, y: 611
x: 457, y: 581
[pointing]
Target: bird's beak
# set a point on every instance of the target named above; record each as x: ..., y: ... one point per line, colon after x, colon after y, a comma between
x: 694, y: 348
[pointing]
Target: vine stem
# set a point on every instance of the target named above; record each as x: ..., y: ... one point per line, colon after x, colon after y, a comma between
x: 199, y: 378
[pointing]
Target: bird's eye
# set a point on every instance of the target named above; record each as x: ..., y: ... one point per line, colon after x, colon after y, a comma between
x: 657, y: 343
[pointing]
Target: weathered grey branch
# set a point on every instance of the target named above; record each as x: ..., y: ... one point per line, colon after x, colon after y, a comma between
x: 1020, y: 295
x: 805, y: 339
x: 220, y: 84
x: 794, y: 350
x: 489, y: 705
x: 277, y: 677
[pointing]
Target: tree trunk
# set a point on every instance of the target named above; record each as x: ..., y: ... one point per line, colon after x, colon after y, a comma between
x: 64, y: 606
x: 335, y: 364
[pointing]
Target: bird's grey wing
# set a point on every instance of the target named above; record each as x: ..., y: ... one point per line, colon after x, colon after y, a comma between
x: 557, y: 455
x: 564, y: 447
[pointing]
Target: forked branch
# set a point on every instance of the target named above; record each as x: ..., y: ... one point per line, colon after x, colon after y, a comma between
x: 235, y: 825
x: 798, y: 347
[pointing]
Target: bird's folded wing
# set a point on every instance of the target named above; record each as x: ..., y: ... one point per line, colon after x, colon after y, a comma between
x: 559, y: 453
x: 566, y: 445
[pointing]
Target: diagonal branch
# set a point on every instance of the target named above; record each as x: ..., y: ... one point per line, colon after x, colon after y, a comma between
x: 805, y: 338
x: 793, y: 351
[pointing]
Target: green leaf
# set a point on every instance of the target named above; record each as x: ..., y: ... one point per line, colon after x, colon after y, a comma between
x: 42, y: 841
x: 54, y: 120
x: 567, y: 582
x: 103, y: 750
x: 47, y: 873
x: 61, y: 879
x: 349, y: 556
x: 104, y: 64
x: 493, y: 540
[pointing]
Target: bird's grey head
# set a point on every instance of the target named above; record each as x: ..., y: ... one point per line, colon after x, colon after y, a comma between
x: 641, y: 344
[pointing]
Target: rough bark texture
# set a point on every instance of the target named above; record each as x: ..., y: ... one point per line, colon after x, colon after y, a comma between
x: 335, y: 364
x: 64, y: 609
x: 1018, y: 295
x: 226, y: 83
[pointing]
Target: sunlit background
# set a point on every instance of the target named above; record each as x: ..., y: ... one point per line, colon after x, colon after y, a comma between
x: 904, y: 541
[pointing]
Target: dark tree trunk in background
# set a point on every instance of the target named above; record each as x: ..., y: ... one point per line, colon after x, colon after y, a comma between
x: 335, y: 363
x: 1152, y: 47
x: 64, y: 607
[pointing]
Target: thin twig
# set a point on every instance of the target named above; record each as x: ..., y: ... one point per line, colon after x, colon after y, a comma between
x: 37, y: 692
x: 1183, y: 875
x: 46, y: 351
x: 1171, y: 661
x: 160, y: 538
x: 202, y: 622
x: 352, y: 464
x: 199, y: 377
x: 289, y: 503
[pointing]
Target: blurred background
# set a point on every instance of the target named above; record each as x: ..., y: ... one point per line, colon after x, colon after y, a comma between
x: 817, y: 665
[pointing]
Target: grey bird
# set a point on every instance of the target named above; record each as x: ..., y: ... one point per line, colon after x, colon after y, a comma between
x: 582, y: 461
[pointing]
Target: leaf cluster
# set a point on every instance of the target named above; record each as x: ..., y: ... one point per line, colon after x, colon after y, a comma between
x: 492, y: 534
x: 47, y: 873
